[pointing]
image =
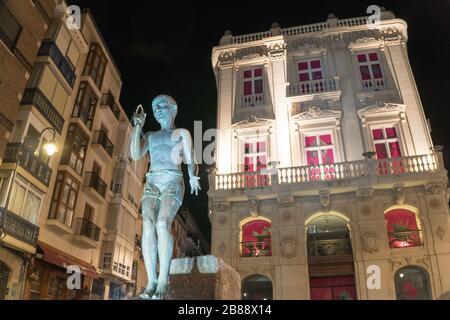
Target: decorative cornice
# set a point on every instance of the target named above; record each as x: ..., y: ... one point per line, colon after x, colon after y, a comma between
x: 317, y: 113
x: 365, y: 42
x: 252, y: 122
x: 380, y: 108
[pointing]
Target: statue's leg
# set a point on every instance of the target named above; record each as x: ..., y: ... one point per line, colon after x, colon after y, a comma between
x: 149, y: 244
x: 167, y: 212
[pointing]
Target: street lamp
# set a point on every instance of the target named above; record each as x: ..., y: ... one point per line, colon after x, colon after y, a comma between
x: 49, y: 147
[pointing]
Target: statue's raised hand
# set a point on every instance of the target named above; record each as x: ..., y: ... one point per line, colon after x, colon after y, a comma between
x: 194, y: 181
x: 139, y: 116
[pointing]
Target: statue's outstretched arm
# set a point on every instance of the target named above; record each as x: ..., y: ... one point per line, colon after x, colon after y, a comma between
x: 138, y: 147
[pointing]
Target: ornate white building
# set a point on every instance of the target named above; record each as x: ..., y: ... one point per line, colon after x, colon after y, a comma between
x: 325, y: 168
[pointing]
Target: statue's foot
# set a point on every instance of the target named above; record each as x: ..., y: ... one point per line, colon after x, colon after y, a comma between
x: 161, y: 291
x: 149, y: 291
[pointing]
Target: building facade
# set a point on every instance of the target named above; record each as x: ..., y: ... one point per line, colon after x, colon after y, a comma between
x: 76, y: 208
x: 325, y: 171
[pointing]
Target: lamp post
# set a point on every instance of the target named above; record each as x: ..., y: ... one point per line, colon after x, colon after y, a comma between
x: 49, y: 147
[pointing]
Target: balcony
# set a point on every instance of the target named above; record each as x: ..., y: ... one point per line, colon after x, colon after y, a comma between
x: 87, y: 234
x: 95, y: 187
x: 34, y: 96
x: 112, y: 110
x: 17, y: 153
x: 374, y: 85
x: 405, y: 239
x: 256, y: 248
x: 308, y: 90
x: 417, y: 169
x: 49, y: 48
x: 330, y: 247
x: 18, y: 227
x: 255, y: 100
x: 100, y: 139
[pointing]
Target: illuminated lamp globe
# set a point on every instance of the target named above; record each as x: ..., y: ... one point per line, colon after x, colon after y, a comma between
x: 50, y: 148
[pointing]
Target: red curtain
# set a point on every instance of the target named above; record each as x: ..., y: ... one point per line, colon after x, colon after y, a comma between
x: 402, y: 228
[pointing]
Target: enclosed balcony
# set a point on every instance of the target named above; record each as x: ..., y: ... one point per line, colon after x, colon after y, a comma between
x: 101, y: 141
x: 87, y: 234
x: 417, y: 169
x: 34, y: 97
x: 49, y: 48
x: 18, y: 154
x: 15, y: 226
x: 109, y: 106
x: 95, y: 187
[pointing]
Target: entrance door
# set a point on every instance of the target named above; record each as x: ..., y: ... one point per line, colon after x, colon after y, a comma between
x: 333, y: 288
x: 4, y: 274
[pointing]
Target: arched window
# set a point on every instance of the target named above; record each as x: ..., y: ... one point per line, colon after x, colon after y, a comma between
x: 411, y: 283
x: 402, y: 228
x: 257, y: 287
x: 256, y: 238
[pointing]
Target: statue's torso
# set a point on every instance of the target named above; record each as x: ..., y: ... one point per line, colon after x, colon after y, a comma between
x: 165, y: 150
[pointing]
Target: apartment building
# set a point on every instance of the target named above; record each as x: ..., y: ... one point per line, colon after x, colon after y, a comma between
x: 69, y: 207
x: 325, y: 169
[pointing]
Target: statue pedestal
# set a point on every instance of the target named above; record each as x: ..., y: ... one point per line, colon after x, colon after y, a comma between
x: 203, y: 278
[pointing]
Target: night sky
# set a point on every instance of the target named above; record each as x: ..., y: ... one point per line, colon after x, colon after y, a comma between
x: 165, y: 47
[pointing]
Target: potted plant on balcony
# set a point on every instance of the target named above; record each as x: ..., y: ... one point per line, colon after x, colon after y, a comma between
x: 262, y: 246
x: 402, y: 233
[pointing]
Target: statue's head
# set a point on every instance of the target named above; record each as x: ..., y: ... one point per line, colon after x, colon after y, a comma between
x: 164, y: 108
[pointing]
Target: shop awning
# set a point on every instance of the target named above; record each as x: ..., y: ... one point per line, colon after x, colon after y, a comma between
x: 64, y: 260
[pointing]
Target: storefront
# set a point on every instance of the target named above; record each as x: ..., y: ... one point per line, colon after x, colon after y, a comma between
x: 48, y: 275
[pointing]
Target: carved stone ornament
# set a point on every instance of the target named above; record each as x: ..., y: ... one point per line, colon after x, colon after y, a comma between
x: 365, y: 194
x: 433, y: 188
x: 399, y: 194
x: 253, y: 205
x: 366, y: 210
x: 380, y: 108
x: 222, y: 219
x: 370, y: 241
x: 285, y: 200
x: 435, y: 204
x: 252, y: 122
x: 316, y: 113
x: 220, y: 206
x: 325, y: 200
x: 364, y: 42
x: 286, y: 216
x: 440, y: 233
x: 288, y: 245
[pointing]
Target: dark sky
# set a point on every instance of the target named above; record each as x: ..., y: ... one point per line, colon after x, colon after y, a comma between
x: 165, y: 47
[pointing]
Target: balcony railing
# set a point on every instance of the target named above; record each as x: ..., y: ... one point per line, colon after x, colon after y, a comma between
x: 312, y: 87
x: 394, y: 167
x: 256, y: 248
x: 254, y: 100
x: 94, y: 181
x: 13, y: 225
x: 34, y: 96
x: 88, y: 229
x: 108, y: 100
x: 49, y: 48
x: 101, y: 138
x: 329, y: 247
x: 17, y: 153
x: 374, y: 85
x: 402, y: 239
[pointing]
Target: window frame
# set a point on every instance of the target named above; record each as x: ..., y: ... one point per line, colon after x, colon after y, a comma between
x: 386, y: 141
x: 96, y: 64
x: 317, y: 134
x: 252, y: 80
x: 369, y: 64
x: 56, y: 198
x: 73, y: 132
x: 79, y: 109
x: 309, y: 69
x: 18, y: 182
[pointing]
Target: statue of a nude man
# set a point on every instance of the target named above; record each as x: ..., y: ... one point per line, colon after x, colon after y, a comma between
x: 164, y: 188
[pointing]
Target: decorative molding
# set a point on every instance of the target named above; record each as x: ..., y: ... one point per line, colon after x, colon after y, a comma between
x: 364, y: 194
x: 440, y: 233
x: 253, y: 205
x: 222, y: 219
x: 251, y: 53
x: 285, y: 200
x: 433, y: 188
x: 252, y: 122
x: 325, y: 200
x: 365, y: 42
x: 220, y: 206
x: 316, y: 113
x: 365, y: 210
x: 435, y: 204
x: 399, y: 194
x: 369, y: 240
x: 226, y: 59
x: 380, y: 108
x: 288, y: 247
x: 286, y: 216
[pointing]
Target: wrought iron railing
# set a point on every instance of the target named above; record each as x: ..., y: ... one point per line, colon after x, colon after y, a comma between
x: 101, y: 138
x: 402, y: 239
x: 49, y: 48
x: 87, y: 228
x: 34, y: 96
x: 13, y: 225
x: 17, y: 153
x: 94, y: 181
x: 256, y: 248
x: 329, y: 247
x: 108, y: 100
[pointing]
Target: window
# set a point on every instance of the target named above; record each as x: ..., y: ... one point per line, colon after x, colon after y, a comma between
x: 53, y: 90
x: 319, y: 151
x: 310, y: 70
x: 64, y: 198
x: 256, y: 239
x: 75, y: 149
x: 67, y: 46
x: 89, y: 212
x: 107, y: 259
x: 85, y: 105
x: 10, y: 29
x: 96, y: 64
x: 386, y: 143
x: 370, y: 70
x: 402, y: 229
x: 253, y: 81
x: 411, y: 283
x: 25, y: 200
x: 255, y: 159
